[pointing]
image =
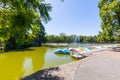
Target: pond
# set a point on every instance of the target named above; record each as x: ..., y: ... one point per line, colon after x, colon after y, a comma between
x: 17, y: 64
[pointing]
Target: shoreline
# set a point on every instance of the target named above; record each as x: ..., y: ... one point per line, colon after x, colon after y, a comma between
x: 61, y: 72
x: 55, y: 73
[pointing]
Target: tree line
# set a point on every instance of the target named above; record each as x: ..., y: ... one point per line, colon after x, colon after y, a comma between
x: 76, y: 39
x: 70, y: 39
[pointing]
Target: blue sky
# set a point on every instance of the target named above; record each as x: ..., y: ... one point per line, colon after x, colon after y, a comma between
x: 80, y: 17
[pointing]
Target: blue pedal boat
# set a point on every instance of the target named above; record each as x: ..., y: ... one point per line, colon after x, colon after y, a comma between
x: 62, y: 51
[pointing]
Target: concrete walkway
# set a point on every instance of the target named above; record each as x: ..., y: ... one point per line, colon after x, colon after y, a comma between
x: 102, y: 66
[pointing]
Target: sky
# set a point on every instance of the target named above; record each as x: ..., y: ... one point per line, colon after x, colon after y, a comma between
x: 79, y: 17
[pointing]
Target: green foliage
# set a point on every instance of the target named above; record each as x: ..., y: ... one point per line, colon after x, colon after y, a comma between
x: 70, y: 39
x: 40, y: 37
x: 19, y: 20
x: 59, y: 39
x: 110, y: 16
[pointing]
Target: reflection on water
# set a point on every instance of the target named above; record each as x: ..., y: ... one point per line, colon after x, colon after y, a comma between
x: 27, y: 66
x: 17, y: 64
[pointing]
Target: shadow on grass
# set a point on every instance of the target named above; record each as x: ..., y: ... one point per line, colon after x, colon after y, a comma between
x: 44, y: 75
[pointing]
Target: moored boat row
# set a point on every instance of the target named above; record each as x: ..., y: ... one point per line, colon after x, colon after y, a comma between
x: 81, y: 52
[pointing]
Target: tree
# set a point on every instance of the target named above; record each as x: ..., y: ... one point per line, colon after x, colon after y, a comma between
x: 100, y: 37
x: 40, y: 37
x: 110, y: 16
x: 19, y: 19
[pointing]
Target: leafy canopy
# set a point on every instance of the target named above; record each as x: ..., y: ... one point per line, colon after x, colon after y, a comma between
x: 110, y: 16
x: 21, y: 18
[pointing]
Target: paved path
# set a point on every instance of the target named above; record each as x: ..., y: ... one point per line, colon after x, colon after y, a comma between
x: 102, y: 66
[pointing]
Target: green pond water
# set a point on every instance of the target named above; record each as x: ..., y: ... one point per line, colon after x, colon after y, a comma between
x: 17, y: 64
